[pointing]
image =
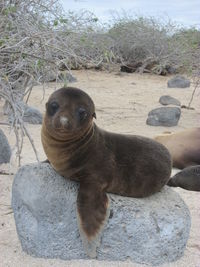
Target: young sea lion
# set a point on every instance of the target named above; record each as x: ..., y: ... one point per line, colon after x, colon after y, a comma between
x: 101, y: 161
x: 183, y: 146
x: 188, y: 178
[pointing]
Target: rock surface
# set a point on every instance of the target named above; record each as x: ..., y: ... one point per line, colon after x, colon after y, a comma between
x: 5, y: 150
x: 178, y: 82
x: 169, y: 100
x: 164, y: 116
x: 32, y: 115
x: 66, y: 77
x: 61, y: 76
x: 151, y: 230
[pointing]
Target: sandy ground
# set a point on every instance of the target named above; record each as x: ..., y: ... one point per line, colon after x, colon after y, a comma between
x: 122, y: 104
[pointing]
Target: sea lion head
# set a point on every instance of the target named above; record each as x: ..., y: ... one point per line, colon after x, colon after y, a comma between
x: 69, y: 112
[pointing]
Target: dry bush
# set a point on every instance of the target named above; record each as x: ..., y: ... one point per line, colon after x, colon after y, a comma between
x: 91, y: 44
x: 147, y: 44
x: 195, y: 74
x: 36, y: 39
x: 26, y: 40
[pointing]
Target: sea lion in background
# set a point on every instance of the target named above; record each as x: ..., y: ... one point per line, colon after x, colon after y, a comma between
x: 101, y: 161
x: 183, y: 146
x: 188, y: 178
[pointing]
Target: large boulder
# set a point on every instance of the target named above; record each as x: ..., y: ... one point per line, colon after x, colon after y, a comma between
x: 178, y: 82
x: 151, y: 230
x: 169, y: 100
x: 5, y: 150
x: 164, y: 116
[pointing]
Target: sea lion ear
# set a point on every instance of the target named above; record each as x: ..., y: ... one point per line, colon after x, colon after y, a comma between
x: 94, y: 115
x: 92, y: 214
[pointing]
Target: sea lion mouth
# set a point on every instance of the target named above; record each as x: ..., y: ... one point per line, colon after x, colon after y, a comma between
x: 61, y: 130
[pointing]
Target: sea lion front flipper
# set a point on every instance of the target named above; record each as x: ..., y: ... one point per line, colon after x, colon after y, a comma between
x: 92, y: 213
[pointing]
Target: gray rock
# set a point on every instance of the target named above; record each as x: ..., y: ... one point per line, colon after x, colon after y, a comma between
x: 151, y: 230
x: 32, y: 115
x: 169, y: 100
x: 5, y: 150
x: 66, y: 77
x: 178, y: 82
x: 171, y: 69
x: 164, y: 116
x: 48, y: 76
x: 61, y: 76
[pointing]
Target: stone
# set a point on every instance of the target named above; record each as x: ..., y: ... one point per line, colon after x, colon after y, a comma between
x: 164, y: 116
x: 61, y: 76
x: 5, y: 150
x: 178, y: 82
x: 32, y: 115
x: 151, y: 230
x: 171, y: 69
x: 169, y: 100
x: 66, y: 77
x: 48, y: 76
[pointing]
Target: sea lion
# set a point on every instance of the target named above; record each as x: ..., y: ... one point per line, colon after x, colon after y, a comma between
x: 188, y: 178
x: 183, y: 146
x: 100, y: 161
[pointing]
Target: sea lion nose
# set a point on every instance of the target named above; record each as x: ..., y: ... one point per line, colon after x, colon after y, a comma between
x: 64, y: 120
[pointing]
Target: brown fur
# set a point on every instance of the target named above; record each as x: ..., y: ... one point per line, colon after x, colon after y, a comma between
x: 101, y: 161
x: 183, y: 146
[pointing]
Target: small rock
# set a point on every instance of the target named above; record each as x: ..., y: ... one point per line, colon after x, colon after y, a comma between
x: 32, y: 115
x: 49, y: 76
x: 171, y: 70
x: 151, y: 230
x: 61, y: 76
x: 164, y: 116
x: 5, y: 150
x: 178, y: 82
x: 169, y: 100
x: 66, y: 77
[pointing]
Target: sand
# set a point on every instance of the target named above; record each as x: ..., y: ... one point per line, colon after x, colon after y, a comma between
x: 122, y: 104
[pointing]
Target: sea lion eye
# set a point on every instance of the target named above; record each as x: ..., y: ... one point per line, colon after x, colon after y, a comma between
x: 52, y: 108
x: 82, y: 113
